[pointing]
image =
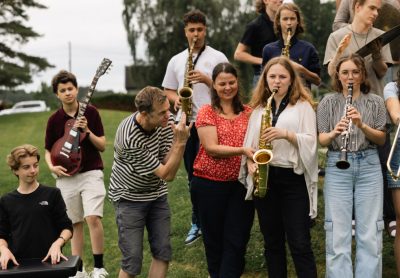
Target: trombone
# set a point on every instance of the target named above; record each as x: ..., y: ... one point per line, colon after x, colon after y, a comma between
x: 395, y: 176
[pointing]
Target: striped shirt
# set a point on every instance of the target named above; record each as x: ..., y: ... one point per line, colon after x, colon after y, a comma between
x: 137, y: 154
x: 331, y: 110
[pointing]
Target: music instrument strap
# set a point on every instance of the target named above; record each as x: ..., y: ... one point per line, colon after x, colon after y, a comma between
x: 282, y: 106
x: 198, y: 55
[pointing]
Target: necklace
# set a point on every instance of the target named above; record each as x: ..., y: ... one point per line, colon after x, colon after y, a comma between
x: 355, y: 39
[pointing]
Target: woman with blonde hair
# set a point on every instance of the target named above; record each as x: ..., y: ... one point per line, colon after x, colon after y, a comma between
x: 284, y: 212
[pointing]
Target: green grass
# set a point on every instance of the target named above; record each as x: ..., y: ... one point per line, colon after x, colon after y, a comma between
x: 188, y: 261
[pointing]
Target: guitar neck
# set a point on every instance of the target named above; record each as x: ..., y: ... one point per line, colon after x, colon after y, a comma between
x: 85, y: 102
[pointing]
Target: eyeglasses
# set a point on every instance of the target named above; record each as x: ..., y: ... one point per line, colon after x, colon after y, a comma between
x: 354, y: 73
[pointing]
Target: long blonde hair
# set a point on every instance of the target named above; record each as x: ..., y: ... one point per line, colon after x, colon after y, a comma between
x: 296, y: 91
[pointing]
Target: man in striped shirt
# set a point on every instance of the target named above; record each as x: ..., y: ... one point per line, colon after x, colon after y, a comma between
x: 148, y: 149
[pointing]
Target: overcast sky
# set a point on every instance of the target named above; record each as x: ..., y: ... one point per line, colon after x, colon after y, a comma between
x: 95, y: 30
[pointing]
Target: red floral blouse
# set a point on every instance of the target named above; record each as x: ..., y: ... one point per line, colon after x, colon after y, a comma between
x: 230, y: 133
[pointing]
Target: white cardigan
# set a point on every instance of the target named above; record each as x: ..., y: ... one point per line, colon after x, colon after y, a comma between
x: 301, y: 120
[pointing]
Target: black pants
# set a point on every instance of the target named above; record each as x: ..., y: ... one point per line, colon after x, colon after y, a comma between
x: 191, y: 150
x: 283, y: 214
x: 226, y: 220
x: 388, y: 207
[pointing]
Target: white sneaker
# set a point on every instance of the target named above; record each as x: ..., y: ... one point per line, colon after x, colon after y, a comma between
x: 98, y: 273
x: 81, y: 274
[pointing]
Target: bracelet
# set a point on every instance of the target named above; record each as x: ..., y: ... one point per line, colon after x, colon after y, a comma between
x: 65, y: 241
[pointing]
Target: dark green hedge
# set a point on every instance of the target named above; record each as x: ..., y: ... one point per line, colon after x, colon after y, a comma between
x: 122, y: 102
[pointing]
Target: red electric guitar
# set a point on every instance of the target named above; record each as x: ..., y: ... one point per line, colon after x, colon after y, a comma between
x: 66, y: 151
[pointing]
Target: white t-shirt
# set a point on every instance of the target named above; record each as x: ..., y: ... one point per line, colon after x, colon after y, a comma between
x: 390, y: 90
x: 175, y: 75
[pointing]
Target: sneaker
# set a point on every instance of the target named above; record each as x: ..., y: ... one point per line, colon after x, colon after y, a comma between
x: 81, y: 274
x: 98, y: 273
x: 392, y: 228
x: 353, y: 227
x: 193, y: 234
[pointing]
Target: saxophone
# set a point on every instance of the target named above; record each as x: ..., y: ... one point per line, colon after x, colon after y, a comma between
x: 285, y: 50
x: 264, y: 154
x: 186, y: 92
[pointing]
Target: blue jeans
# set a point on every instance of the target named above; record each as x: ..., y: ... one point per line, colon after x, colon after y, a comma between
x: 362, y: 184
x: 394, y: 164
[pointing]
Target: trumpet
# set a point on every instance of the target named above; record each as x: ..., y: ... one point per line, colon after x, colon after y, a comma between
x: 342, y: 163
x: 285, y: 50
x: 264, y: 155
x: 186, y: 92
x: 395, y: 176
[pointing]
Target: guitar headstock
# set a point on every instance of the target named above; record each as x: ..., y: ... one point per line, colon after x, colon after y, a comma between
x: 104, y: 66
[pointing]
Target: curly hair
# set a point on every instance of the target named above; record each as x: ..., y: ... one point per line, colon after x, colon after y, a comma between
x: 63, y: 77
x: 194, y: 16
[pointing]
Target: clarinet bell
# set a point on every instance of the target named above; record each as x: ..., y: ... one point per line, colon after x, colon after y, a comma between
x: 342, y: 163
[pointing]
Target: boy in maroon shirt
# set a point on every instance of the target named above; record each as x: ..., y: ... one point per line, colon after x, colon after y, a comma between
x: 84, y: 191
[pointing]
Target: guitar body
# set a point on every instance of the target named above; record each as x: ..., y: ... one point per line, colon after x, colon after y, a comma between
x: 66, y: 151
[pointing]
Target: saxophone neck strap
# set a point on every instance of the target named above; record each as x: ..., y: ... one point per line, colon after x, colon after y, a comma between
x: 198, y: 55
x: 282, y: 106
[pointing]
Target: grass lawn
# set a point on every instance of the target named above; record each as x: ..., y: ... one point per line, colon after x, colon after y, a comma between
x: 188, y: 261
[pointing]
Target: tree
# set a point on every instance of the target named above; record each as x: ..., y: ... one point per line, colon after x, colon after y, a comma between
x: 16, y: 67
x: 160, y: 24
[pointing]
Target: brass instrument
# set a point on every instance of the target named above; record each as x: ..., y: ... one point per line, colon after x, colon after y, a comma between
x: 342, y: 163
x: 395, y: 176
x: 186, y: 92
x: 264, y: 154
x: 285, y: 50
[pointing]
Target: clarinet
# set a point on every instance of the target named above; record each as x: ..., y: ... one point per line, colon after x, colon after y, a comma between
x: 342, y: 163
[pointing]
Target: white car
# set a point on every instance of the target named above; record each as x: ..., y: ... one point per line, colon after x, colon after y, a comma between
x: 26, y: 107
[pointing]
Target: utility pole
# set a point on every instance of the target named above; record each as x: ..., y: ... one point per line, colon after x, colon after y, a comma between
x: 69, y: 57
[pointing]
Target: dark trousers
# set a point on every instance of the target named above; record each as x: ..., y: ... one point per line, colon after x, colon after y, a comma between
x: 226, y: 220
x: 388, y: 207
x: 283, y: 214
x: 191, y: 150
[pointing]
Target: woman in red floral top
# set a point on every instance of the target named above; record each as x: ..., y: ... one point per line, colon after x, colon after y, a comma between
x: 226, y: 218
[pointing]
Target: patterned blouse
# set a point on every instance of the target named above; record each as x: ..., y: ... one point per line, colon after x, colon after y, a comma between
x: 331, y: 110
x: 230, y: 133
